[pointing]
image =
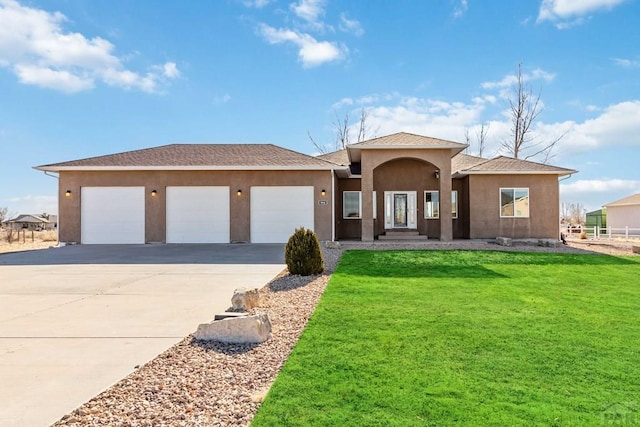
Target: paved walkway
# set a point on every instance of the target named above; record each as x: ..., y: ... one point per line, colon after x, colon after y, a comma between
x: 75, y: 320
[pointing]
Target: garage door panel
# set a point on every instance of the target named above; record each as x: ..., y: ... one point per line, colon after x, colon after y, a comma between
x: 112, y: 215
x: 277, y: 211
x: 198, y: 214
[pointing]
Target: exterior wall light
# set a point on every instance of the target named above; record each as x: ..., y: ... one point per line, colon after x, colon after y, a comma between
x: 154, y: 193
x: 67, y: 193
x: 437, y: 173
x: 323, y: 192
x: 239, y: 192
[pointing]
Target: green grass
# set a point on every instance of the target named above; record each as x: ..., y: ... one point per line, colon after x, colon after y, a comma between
x: 441, y: 338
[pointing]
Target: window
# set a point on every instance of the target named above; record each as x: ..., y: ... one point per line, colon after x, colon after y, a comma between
x: 514, y: 202
x: 352, y: 205
x: 432, y: 204
x: 454, y: 204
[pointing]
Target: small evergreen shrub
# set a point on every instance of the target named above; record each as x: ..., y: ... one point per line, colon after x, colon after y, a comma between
x: 303, y: 254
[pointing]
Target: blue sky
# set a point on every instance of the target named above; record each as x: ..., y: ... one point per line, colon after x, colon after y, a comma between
x: 81, y: 78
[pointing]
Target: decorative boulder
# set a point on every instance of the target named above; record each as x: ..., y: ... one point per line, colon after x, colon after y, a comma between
x: 239, y: 330
x: 245, y: 299
x: 504, y: 241
x: 332, y: 244
x: 548, y: 243
x: 635, y: 249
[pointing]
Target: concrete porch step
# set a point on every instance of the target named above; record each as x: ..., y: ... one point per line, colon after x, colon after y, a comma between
x: 402, y: 236
x: 401, y: 233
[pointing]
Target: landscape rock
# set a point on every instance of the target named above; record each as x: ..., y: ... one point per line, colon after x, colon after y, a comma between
x: 239, y: 330
x: 635, y: 249
x: 548, y: 243
x: 245, y: 299
x: 504, y: 241
x: 332, y: 244
x: 228, y: 314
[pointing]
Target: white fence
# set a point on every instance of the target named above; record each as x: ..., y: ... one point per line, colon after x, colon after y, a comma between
x: 596, y: 232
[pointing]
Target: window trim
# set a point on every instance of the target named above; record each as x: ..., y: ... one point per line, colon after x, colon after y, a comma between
x: 454, y: 215
x: 514, y: 189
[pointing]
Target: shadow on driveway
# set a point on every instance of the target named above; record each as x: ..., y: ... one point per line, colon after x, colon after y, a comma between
x: 150, y: 254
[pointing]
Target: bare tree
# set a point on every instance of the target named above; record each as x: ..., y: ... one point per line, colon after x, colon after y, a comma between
x: 574, y: 213
x: 525, y: 108
x: 481, y: 137
x: 4, y: 214
x: 343, y: 128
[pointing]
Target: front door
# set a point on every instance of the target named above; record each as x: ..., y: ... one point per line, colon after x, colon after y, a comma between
x: 400, y: 209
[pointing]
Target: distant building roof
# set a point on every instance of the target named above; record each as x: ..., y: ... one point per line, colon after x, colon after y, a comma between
x: 627, y: 201
x: 28, y: 218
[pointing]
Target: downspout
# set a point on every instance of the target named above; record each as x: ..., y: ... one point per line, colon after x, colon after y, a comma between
x: 333, y: 206
x: 58, y: 213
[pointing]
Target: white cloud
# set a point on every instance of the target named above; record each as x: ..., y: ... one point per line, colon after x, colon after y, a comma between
x: 615, y: 125
x: 627, y: 63
x: 567, y: 13
x: 601, y: 186
x: 309, y: 10
x: 61, y: 80
x: 350, y: 25
x: 258, y: 4
x: 218, y: 100
x: 460, y: 8
x: 510, y: 79
x: 35, y: 47
x: 170, y: 70
x: 311, y: 51
x: 342, y: 103
x: 618, y: 124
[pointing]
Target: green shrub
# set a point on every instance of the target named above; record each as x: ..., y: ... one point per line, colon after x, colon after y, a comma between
x: 303, y: 254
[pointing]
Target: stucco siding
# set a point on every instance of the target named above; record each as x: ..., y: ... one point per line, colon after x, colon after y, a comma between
x: 484, y: 205
x: 155, y: 207
x: 623, y: 216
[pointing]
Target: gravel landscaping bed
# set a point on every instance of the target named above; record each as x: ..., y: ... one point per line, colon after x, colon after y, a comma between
x: 207, y: 383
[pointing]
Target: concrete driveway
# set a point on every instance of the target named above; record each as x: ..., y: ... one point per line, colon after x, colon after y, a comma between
x: 75, y: 320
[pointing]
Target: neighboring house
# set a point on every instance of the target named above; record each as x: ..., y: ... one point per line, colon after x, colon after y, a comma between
x: 220, y: 193
x: 624, y: 212
x: 31, y: 222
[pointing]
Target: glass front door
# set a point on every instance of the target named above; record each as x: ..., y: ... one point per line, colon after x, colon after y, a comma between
x: 399, y: 210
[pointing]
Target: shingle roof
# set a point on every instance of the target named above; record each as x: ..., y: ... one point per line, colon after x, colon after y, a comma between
x: 404, y: 139
x: 630, y: 200
x: 465, y: 161
x: 340, y: 157
x: 199, y: 155
x: 502, y: 164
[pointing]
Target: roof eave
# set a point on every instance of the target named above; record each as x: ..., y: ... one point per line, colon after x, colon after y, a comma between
x: 176, y: 168
x: 455, y: 149
x: 462, y: 173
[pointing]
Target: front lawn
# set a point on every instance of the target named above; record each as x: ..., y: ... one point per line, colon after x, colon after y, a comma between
x: 441, y: 338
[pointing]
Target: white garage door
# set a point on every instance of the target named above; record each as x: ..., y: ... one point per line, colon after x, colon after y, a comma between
x: 111, y: 215
x: 197, y: 214
x: 277, y: 211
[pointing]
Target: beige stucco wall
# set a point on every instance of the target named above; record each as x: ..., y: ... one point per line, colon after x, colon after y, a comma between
x: 240, y: 214
x: 623, y: 216
x: 484, y: 205
x: 373, y: 159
